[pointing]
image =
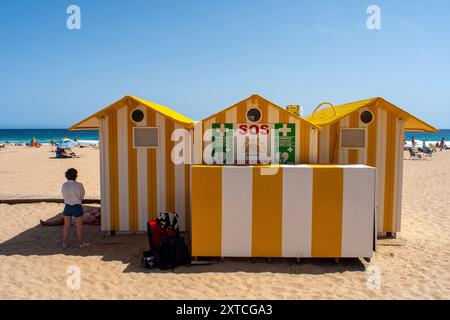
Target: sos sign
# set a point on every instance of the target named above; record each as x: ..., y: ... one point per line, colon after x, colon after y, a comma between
x: 254, y: 129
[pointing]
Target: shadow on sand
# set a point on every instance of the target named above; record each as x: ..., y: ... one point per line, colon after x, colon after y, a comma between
x: 128, y: 248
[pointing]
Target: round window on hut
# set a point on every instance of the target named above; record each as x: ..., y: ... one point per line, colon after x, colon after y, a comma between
x: 253, y: 114
x: 366, y: 117
x: 137, y: 115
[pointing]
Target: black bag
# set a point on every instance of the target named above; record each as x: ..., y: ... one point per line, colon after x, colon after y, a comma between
x: 149, y: 259
x: 173, y: 253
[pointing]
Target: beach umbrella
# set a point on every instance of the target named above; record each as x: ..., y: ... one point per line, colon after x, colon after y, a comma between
x: 66, y: 145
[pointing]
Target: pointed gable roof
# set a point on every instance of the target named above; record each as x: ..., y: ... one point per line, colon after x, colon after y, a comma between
x: 327, y: 116
x: 91, y: 122
x: 303, y: 120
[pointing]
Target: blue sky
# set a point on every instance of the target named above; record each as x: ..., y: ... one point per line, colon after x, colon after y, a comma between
x: 200, y: 56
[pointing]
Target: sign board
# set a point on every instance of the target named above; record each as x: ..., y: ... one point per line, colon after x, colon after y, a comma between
x: 249, y: 143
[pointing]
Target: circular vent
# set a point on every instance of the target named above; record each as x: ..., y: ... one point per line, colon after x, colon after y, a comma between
x: 366, y: 117
x: 253, y: 114
x: 137, y: 115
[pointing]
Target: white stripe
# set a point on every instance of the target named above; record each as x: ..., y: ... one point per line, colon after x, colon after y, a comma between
x: 297, y: 139
x: 324, y: 137
x: 362, y: 154
x: 396, y: 224
x: 161, y: 165
x: 237, y: 211
x: 198, y: 138
x: 358, y: 214
x: 343, y: 153
x: 313, y: 146
x: 231, y: 115
x: 273, y: 115
x: 207, y: 137
x: 297, y: 211
x: 381, y: 163
x: 122, y: 148
x: 180, y: 204
x: 104, y: 174
x: 142, y: 182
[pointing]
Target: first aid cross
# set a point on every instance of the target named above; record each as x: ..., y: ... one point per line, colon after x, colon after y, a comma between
x: 285, y: 130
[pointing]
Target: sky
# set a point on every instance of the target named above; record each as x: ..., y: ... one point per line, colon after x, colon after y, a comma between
x: 198, y: 57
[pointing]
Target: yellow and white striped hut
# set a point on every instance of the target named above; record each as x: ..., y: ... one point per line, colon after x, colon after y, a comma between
x: 138, y: 177
x: 369, y: 132
x: 256, y: 115
x: 256, y: 179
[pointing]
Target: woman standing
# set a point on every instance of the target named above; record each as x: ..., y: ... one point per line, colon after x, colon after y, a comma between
x: 73, y: 194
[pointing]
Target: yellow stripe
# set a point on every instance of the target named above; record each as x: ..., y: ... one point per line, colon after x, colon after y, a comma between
x: 353, y: 154
x: 207, y: 211
x: 327, y: 211
x: 170, y: 168
x: 334, y: 147
x: 132, y: 174
x: 151, y: 172
x: 372, y: 141
x: 267, y: 199
x: 220, y: 117
x: 305, y: 137
x: 113, y: 170
x: 389, y: 173
x: 263, y: 106
x: 242, y: 112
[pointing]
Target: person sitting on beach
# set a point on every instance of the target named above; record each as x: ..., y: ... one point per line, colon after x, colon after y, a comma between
x: 73, y: 194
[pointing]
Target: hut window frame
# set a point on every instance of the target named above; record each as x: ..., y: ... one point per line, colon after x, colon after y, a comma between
x: 146, y: 146
x: 253, y: 108
x: 361, y: 117
x: 143, y: 115
x: 353, y: 147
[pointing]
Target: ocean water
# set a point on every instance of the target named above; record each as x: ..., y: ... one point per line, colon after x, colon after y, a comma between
x: 44, y: 136
x: 91, y: 136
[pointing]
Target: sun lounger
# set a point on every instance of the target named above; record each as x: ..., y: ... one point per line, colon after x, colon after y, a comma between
x: 414, y: 155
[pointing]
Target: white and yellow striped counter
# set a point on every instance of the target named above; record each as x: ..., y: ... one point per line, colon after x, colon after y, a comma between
x: 283, y: 211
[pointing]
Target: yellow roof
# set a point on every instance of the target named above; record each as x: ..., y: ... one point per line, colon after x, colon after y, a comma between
x: 91, y: 122
x: 327, y: 116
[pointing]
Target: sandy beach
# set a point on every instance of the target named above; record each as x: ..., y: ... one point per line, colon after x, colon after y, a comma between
x: 33, y: 265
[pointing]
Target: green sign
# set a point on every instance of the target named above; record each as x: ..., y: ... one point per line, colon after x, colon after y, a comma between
x: 285, y: 142
x: 222, y: 143
x: 223, y: 140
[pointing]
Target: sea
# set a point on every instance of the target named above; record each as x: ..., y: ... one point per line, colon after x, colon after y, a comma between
x: 44, y: 136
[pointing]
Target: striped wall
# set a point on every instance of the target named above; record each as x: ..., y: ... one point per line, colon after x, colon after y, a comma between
x: 139, y: 183
x: 384, y: 151
x: 305, y: 134
x: 301, y: 211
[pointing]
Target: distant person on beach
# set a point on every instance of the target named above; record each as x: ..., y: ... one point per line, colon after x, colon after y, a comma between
x: 413, y: 141
x: 443, y: 144
x: 73, y: 194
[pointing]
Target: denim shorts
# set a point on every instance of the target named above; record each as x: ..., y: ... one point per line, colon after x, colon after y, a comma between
x: 76, y: 210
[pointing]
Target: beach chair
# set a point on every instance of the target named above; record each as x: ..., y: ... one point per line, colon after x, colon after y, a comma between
x: 413, y: 155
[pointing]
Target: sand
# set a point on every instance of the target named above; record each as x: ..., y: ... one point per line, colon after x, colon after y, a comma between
x: 33, y: 266
x: 35, y: 173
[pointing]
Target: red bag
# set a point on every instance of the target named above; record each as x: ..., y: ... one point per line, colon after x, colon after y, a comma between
x: 155, y: 233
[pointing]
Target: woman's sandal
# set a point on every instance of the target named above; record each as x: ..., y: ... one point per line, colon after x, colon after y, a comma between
x: 84, y: 245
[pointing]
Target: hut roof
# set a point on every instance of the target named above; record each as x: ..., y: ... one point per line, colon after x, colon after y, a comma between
x: 327, y: 116
x: 91, y: 122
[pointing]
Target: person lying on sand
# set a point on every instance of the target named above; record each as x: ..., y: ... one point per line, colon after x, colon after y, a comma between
x: 91, y: 218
